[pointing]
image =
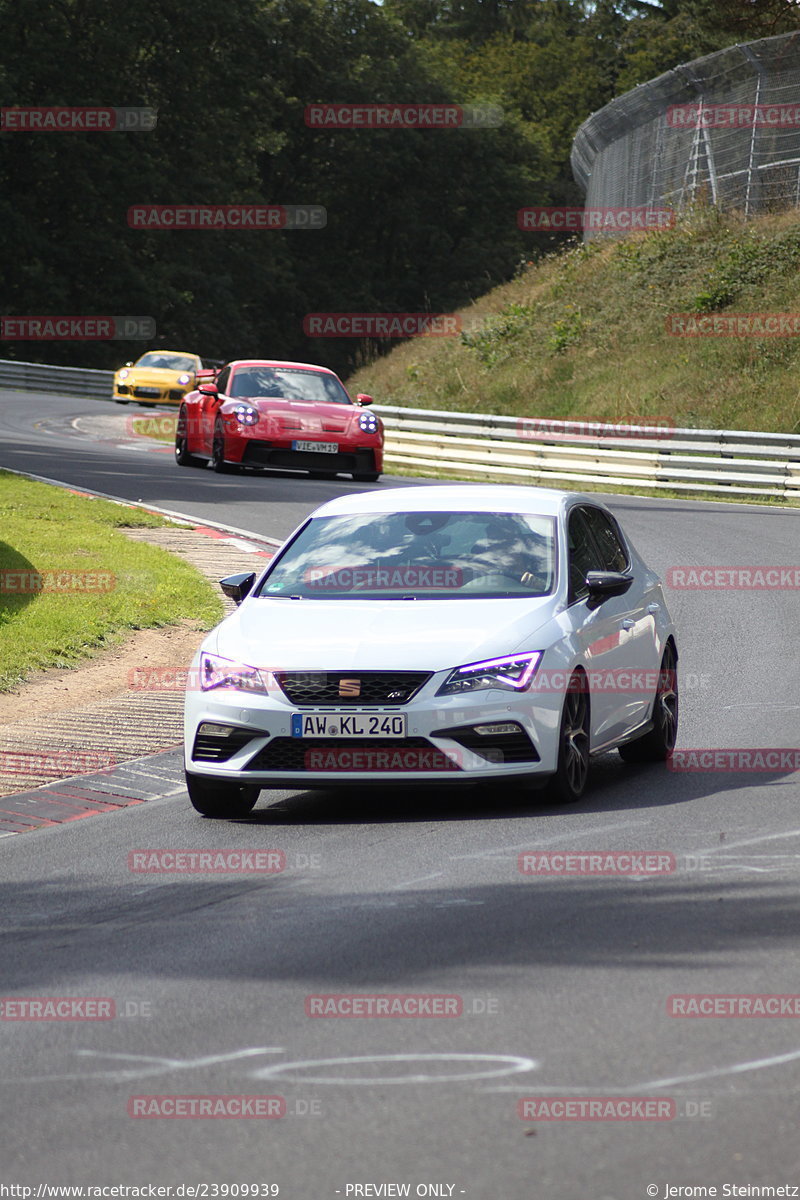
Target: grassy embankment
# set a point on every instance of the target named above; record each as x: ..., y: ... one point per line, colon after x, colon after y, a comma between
x: 106, y: 584
x: 582, y: 334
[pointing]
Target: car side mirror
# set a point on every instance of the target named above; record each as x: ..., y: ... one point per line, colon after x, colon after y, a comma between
x: 207, y: 389
x: 604, y: 584
x: 236, y: 587
x: 130, y: 364
x: 362, y: 399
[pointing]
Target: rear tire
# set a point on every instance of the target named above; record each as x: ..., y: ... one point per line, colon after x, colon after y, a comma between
x: 218, y: 798
x: 182, y: 456
x: 569, y: 782
x: 658, y: 744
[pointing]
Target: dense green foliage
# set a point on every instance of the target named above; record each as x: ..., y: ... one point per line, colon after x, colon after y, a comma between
x: 417, y: 220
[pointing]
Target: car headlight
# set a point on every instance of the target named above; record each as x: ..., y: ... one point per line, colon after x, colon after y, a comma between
x: 245, y: 414
x: 218, y: 672
x: 368, y: 422
x: 123, y: 374
x: 184, y: 379
x: 513, y: 674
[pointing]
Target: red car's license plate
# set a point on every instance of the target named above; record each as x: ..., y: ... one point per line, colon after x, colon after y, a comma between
x: 317, y: 447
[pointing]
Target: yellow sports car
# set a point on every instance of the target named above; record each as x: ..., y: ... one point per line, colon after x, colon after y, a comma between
x: 158, y: 377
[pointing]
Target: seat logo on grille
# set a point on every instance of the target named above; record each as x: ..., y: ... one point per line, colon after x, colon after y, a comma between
x: 349, y: 687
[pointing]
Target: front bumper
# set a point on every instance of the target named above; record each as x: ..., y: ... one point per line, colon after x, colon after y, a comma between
x: 164, y: 395
x: 441, y: 744
x: 258, y: 453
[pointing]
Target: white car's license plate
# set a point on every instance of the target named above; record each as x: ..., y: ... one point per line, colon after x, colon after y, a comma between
x: 348, y: 725
x: 317, y: 447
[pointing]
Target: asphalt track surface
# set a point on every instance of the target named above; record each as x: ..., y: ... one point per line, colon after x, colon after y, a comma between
x: 563, y: 981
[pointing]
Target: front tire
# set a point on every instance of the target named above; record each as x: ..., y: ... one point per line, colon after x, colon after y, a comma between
x: 569, y: 782
x: 219, y: 798
x: 218, y: 453
x: 658, y: 744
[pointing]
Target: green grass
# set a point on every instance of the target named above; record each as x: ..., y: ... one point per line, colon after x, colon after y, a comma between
x: 581, y: 334
x: 46, y: 529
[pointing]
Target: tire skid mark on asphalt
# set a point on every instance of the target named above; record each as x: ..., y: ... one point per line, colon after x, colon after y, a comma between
x: 158, y: 1065
x: 515, y: 1065
x: 754, y: 841
x: 639, y: 1088
x: 537, y: 843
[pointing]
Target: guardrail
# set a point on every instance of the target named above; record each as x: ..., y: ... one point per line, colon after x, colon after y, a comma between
x: 554, y: 453
x: 536, y: 451
x: 67, y: 381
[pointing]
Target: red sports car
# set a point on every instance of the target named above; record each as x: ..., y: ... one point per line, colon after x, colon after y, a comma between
x: 266, y: 413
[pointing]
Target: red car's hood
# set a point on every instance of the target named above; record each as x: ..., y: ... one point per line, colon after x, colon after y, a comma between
x: 301, y: 416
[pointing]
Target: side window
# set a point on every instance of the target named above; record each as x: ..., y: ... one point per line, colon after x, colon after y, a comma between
x: 222, y: 380
x: 612, y: 551
x: 581, y: 553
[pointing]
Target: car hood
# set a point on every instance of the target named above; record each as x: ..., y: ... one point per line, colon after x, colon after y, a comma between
x: 154, y: 375
x: 390, y: 635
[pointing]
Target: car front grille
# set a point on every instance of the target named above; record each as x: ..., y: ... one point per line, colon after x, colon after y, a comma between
x: 328, y: 755
x: 306, y: 688
x: 263, y: 454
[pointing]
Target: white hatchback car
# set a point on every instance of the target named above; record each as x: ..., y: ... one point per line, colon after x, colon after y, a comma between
x: 461, y: 634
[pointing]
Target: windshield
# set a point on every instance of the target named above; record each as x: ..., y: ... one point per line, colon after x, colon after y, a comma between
x: 424, y: 555
x: 168, y: 362
x: 285, y: 383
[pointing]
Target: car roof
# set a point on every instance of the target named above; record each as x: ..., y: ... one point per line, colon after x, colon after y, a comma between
x: 457, y: 497
x: 277, y: 362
